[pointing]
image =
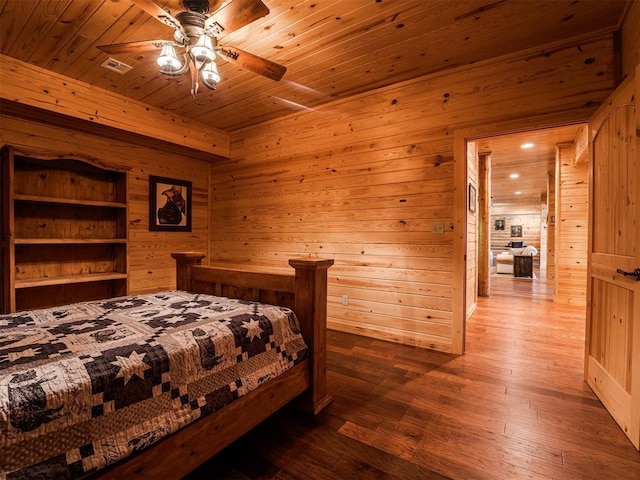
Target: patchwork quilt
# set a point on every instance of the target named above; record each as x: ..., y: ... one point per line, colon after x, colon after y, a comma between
x: 85, y: 385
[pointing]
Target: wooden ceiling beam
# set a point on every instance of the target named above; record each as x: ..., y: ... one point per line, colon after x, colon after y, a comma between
x: 36, y: 87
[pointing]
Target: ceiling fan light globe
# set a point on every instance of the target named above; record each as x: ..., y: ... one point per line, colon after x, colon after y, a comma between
x: 203, y: 51
x: 172, y: 70
x: 168, y: 59
x: 209, y: 75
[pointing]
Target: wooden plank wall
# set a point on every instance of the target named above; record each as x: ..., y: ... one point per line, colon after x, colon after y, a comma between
x: 572, y: 217
x: 364, y: 180
x: 631, y: 39
x: 472, y: 229
x: 150, y: 266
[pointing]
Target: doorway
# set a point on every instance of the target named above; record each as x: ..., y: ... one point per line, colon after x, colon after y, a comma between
x: 610, y: 203
x: 471, y: 221
x: 531, y: 177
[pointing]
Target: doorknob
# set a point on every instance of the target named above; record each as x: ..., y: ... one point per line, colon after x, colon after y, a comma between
x: 633, y: 273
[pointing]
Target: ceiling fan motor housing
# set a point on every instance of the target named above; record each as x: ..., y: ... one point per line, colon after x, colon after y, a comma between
x: 201, y: 6
x: 192, y: 24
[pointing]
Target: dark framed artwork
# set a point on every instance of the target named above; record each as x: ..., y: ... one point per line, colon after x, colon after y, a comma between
x: 169, y: 204
x: 499, y: 225
x: 516, y: 230
x: 472, y: 198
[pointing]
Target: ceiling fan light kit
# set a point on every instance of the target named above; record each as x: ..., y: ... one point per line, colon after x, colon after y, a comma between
x: 169, y: 62
x: 197, y: 33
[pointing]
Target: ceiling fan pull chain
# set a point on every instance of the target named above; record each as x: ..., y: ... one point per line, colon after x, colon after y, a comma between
x: 193, y: 71
x: 194, y: 86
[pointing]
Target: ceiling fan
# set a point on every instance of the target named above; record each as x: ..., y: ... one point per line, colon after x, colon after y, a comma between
x: 196, y: 32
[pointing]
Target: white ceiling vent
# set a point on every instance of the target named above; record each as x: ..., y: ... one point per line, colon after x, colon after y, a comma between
x: 116, y: 66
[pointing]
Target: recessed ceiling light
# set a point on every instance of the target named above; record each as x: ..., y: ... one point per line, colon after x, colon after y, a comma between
x: 514, y: 175
x: 518, y: 193
x: 526, y: 145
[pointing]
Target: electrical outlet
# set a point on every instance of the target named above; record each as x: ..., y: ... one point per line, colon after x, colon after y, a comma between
x: 437, y: 227
x: 345, y: 300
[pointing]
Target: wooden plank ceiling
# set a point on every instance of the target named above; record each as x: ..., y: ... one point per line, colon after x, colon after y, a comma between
x: 331, y: 48
x: 532, y: 165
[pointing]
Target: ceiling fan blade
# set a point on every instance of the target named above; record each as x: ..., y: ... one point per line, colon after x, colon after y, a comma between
x: 252, y: 62
x: 159, y: 13
x: 214, y: 5
x: 135, y: 47
x: 237, y: 14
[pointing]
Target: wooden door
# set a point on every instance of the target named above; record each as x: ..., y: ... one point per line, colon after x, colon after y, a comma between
x: 612, y: 353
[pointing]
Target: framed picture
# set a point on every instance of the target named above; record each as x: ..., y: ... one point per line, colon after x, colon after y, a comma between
x: 516, y: 230
x: 499, y: 224
x: 169, y: 204
x: 472, y: 198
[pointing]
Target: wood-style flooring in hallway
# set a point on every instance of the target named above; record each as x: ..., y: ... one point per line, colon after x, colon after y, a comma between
x: 540, y: 287
x: 515, y: 406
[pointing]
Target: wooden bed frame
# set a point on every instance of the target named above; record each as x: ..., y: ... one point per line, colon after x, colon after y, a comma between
x: 306, y: 293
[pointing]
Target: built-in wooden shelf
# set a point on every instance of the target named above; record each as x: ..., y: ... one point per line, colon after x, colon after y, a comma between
x: 68, y: 241
x: 84, y: 278
x: 67, y: 201
x: 53, y: 205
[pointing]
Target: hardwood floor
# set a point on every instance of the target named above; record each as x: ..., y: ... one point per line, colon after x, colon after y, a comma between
x: 514, y: 406
x: 538, y: 287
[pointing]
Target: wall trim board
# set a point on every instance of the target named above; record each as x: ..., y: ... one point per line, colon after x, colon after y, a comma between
x: 33, y: 114
x: 34, y: 86
x: 460, y: 202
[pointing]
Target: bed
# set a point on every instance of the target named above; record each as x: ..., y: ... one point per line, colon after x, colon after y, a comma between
x: 162, y: 392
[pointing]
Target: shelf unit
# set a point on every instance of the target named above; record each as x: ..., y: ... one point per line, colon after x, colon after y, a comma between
x: 64, y: 231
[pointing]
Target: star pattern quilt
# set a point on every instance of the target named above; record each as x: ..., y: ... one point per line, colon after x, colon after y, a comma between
x: 85, y: 385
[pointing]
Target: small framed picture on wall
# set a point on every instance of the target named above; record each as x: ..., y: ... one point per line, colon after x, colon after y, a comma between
x: 499, y: 225
x: 516, y: 230
x: 472, y: 198
x: 169, y: 204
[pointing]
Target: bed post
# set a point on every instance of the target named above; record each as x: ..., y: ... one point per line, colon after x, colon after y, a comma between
x: 311, y: 309
x: 184, y: 260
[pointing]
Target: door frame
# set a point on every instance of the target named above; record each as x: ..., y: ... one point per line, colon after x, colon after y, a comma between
x: 461, y: 200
